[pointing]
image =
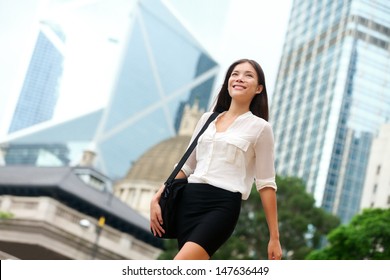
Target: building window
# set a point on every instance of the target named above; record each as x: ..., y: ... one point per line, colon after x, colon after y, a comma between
x: 375, y: 187
x: 378, y: 170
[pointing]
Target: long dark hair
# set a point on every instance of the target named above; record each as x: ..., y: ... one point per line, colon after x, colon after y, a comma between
x: 259, y: 104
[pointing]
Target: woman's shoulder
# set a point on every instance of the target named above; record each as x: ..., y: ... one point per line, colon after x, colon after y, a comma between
x: 262, y: 126
x: 259, y: 121
x: 205, y: 116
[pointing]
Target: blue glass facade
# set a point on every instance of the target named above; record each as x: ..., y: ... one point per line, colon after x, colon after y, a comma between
x: 39, y: 93
x: 331, y: 96
x: 162, y: 67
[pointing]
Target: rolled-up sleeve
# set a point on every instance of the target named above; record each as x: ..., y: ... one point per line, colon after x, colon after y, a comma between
x: 265, y: 167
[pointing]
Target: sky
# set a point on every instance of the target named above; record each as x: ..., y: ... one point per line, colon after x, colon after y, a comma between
x: 252, y: 29
x: 228, y: 29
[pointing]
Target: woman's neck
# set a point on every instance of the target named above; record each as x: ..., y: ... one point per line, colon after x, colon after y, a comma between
x: 235, y: 111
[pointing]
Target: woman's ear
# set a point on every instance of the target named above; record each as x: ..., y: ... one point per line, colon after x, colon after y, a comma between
x: 259, y: 89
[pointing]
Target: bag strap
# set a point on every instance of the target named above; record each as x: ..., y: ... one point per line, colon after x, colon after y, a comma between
x: 190, y: 149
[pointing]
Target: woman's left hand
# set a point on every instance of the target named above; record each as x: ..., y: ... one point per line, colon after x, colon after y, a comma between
x: 155, y: 214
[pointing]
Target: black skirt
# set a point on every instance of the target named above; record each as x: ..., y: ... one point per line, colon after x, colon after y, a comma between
x: 207, y: 215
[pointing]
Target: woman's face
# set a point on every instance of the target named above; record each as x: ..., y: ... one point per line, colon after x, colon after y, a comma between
x: 243, y: 83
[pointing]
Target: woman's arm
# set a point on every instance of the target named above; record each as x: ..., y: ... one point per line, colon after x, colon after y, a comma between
x: 268, y: 199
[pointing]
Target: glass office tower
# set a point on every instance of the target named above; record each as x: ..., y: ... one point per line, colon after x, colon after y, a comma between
x: 39, y: 93
x: 331, y: 95
x: 162, y: 67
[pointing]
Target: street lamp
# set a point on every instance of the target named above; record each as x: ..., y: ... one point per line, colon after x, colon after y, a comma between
x: 98, y: 230
x: 85, y: 223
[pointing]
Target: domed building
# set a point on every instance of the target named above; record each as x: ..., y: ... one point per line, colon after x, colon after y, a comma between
x: 151, y: 170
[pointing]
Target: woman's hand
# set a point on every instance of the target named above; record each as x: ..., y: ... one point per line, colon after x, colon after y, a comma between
x: 274, y: 250
x: 155, y: 214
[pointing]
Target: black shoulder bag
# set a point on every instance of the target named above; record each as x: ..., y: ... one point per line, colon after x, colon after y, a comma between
x: 173, y: 188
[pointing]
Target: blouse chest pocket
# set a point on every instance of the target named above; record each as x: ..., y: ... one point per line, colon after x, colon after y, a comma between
x: 235, y: 148
x: 203, y: 147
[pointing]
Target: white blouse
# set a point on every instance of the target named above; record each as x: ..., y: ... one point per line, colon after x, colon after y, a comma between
x: 234, y: 159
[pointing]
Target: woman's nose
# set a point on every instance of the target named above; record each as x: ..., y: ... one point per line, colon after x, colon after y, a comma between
x: 239, y: 79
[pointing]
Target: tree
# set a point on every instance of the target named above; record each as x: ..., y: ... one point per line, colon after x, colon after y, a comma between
x: 367, y: 236
x: 170, y: 250
x: 301, y: 225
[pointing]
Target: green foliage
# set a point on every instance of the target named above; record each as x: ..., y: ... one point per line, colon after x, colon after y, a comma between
x: 170, y: 250
x: 6, y: 215
x: 301, y: 226
x: 367, y: 236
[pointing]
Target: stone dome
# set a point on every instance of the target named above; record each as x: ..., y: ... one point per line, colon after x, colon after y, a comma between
x: 159, y: 161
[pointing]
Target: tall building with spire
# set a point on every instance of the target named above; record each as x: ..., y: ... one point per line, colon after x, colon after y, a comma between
x: 331, y: 96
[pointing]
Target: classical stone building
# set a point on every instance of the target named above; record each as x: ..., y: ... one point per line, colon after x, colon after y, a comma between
x: 68, y: 213
x: 152, y: 169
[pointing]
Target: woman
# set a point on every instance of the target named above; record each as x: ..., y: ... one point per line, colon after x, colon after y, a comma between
x: 235, y: 150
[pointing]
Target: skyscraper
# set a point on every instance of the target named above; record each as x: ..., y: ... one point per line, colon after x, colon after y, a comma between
x: 19, y: 28
x: 331, y: 96
x: 39, y: 93
x: 162, y: 66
